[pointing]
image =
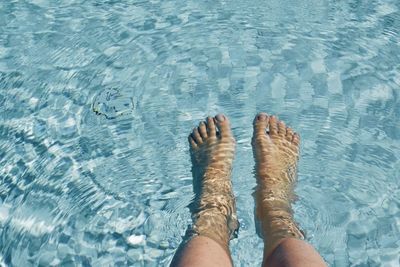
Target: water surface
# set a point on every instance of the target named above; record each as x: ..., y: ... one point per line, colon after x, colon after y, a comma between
x: 97, y: 99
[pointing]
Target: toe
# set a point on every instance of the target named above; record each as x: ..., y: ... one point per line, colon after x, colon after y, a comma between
x: 296, y: 139
x: 222, y: 123
x: 196, y: 136
x: 211, y: 131
x: 192, y: 143
x: 202, y: 130
x: 260, y: 123
x: 281, y: 128
x: 273, y: 125
x: 289, y: 134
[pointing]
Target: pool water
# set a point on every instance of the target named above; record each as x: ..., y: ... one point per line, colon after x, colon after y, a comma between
x: 97, y: 99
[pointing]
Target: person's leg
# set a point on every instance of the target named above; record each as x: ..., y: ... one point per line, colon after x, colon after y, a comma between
x: 276, y: 152
x: 212, y: 149
x: 201, y: 251
x: 294, y: 252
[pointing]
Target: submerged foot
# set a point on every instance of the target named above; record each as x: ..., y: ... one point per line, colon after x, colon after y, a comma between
x: 276, y: 152
x: 212, y: 148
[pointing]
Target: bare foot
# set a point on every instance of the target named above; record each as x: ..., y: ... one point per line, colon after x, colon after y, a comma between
x: 212, y: 149
x: 276, y: 152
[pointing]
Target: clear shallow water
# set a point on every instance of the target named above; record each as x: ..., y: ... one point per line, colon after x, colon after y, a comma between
x: 96, y: 101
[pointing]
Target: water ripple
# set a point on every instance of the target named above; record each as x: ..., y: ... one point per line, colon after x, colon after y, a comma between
x: 97, y: 99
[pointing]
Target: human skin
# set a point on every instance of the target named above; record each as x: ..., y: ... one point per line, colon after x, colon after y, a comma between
x: 276, y: 152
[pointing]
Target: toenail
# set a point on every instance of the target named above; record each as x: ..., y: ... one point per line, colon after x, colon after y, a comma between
x: 261, y: 117
x: 220, y: 117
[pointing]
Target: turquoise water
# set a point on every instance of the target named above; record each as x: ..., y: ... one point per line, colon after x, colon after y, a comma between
x: 97, y: 99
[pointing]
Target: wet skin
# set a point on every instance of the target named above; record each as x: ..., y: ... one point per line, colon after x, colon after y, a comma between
x: 276, y: 152
x: 212, y: 149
